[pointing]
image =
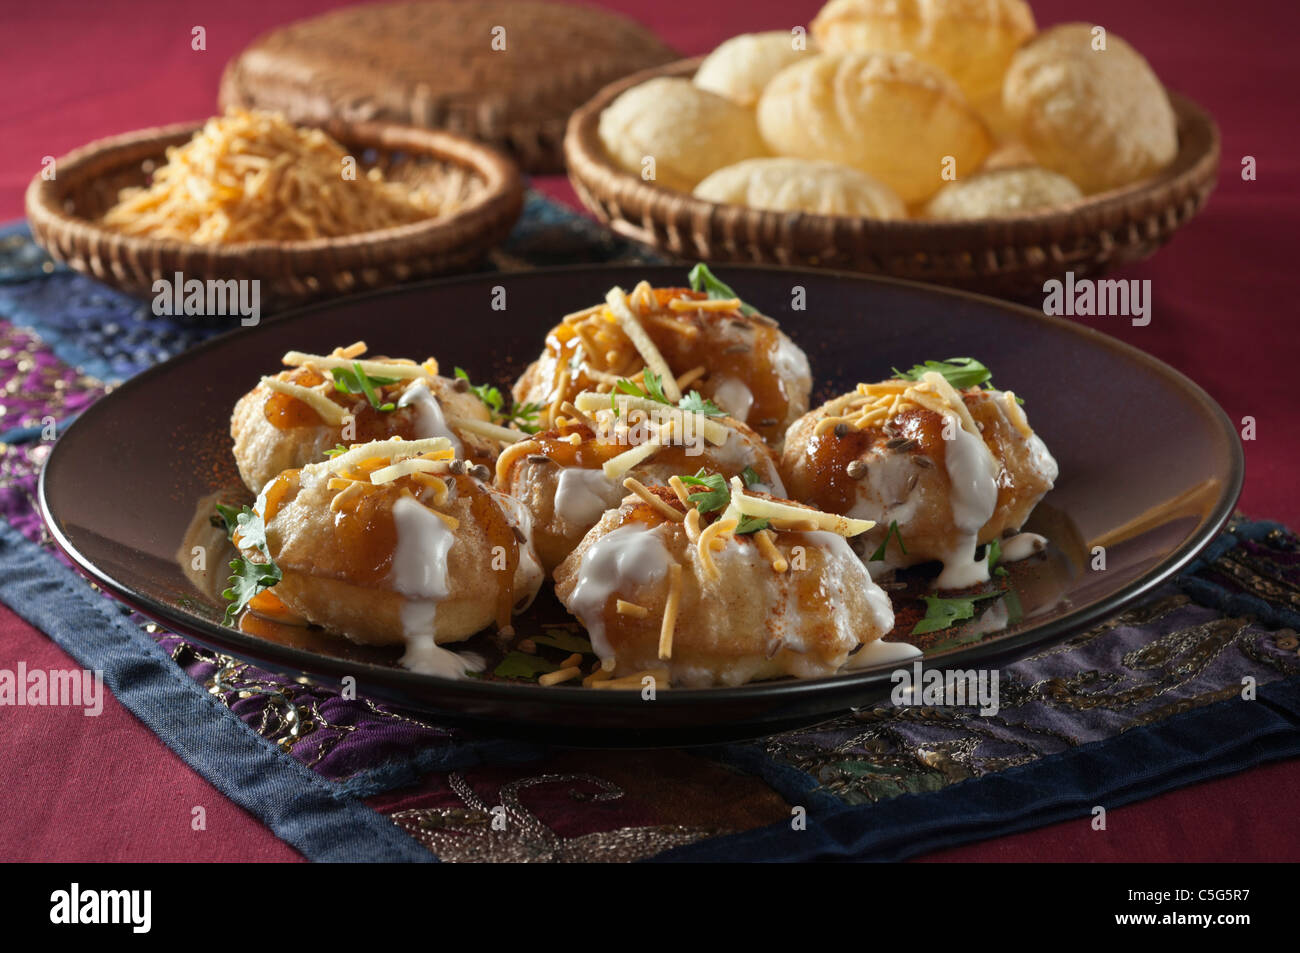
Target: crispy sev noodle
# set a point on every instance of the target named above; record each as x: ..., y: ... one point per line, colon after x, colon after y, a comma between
x: 253, y: 176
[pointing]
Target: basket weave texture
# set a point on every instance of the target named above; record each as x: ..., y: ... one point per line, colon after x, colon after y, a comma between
x: 434, y: 65
x: 1011, y: 257
x: 63, y: 214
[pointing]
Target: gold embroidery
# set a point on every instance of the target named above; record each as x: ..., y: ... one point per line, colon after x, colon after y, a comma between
x: 469, y: 834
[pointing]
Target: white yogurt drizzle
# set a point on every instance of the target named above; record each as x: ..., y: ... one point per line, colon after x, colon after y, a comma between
x: 738, y: 452
x: 890, y: 494
x: 881, y: 652
x: 529, y: 574
x: 619, y: 562
x: 582, y: 495
x: 1022, y: 546
x: 731, y: 394
x: 429, y: 418
x: 972, y: 473
x: 892, y: 478
x: 789, y: 362
x: 419, y: 573
x: 426, y: 656
x: 838, y: 550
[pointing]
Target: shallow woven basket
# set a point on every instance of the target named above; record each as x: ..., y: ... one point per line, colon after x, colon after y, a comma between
x: 1004, y: 256
x: 63, y: 213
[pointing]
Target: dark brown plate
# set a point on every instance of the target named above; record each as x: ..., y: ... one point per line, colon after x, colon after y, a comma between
x: 1150, y: 469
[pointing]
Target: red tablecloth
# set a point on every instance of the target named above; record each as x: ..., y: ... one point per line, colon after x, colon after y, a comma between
x: 1223, y: 303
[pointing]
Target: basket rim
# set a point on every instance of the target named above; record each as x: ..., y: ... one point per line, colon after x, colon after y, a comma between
x: 590, y: 167
x: 502, y: 194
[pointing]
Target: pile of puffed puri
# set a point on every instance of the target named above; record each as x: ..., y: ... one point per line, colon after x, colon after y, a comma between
x: 888, y: 109
x: 658, y: 463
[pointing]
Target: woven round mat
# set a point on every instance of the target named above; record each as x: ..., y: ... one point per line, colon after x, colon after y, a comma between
x: 506, y: 73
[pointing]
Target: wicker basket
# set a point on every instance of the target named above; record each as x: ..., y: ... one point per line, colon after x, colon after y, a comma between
x: 1004, y: 256
x: 431, y: 64
x: 63, y: 213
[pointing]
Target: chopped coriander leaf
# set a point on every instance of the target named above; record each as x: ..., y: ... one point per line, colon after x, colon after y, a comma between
x: 252, y: 531
x: 960, y: 372
x: 941, y: 613
x: 387, y: 407
x: 230, y: 516
x: 879, y: 554
x: 715, y: 495
x: 246, y: 523
x: 350, y: 381
x: 654, y: 386
x: 625, y: 386
x: 247, y: 580
x: 653, y: 389
x: 695, y: 403
x: 522, y: 665
x: 749, y: 476
x: 993, y: 553
x: 560, y: 638
x: 750, y: 524
x: 522, y: 416
x: 336, y: 450
x: 357, y: 381
x: 490, y: 396
x: 702, y: 279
